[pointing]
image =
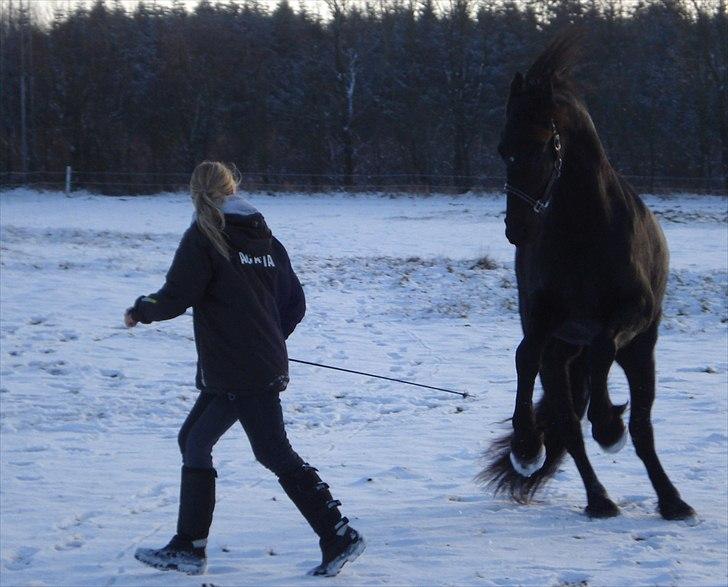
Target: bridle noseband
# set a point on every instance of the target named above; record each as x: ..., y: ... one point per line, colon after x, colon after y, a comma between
x: 540, y: 204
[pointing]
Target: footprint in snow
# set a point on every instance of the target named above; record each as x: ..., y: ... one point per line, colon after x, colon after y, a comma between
x: 51, y: 367
x: 20, y: 558
x: 29, y: 477
x: 77, y: 520
x: 153, y: 498
x: 36, y: 448
x: 71, y: 542
x: 569, y: 582
x: 385, y: 411
x: 653, y: 539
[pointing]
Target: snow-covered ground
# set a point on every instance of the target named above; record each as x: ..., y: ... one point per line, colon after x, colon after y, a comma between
x: 90, y: 411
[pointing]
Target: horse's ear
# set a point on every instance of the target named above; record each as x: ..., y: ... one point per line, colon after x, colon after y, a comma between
x: 516, y: 88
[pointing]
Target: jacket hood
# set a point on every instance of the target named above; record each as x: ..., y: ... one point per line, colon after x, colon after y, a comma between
x: 245, y: 227
x: 238, y: 206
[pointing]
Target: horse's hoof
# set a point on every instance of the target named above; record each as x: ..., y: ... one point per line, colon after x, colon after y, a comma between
x: 613, y: 437
x: 602, y: 508
x: 528, y: 468
x: 676, y: 510
x: 617, y: 446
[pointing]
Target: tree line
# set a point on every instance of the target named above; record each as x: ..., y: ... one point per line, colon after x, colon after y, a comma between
x: 392, y: 94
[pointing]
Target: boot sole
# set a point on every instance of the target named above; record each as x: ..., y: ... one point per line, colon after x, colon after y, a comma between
x: 188, y: 569
x: 335, y: 566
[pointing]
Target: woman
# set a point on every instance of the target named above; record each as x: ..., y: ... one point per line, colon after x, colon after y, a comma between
x: 247, y: 300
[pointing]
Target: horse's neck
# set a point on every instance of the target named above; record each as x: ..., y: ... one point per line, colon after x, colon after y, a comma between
x: 588, y: 188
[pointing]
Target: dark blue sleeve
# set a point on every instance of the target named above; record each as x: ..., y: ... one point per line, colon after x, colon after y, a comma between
x: 290, y: 298
x: 187, y: 280
x: 296, y: 308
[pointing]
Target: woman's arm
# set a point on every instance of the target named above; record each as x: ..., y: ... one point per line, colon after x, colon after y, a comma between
x: 296, y: 307
x: 187, y: 280
x: 290, y: 298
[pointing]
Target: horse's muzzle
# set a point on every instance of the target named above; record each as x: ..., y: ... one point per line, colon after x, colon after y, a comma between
x: 516, y: 235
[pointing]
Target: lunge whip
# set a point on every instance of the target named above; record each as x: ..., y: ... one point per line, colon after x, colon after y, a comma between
x: 463, y: 394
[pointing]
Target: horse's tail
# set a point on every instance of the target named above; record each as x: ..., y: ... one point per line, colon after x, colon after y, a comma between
x: 499, y: 474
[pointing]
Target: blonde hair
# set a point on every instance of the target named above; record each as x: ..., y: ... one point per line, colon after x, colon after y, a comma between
x: 211, y: 183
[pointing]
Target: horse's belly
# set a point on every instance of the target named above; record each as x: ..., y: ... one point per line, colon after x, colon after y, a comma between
x: 578, y: 331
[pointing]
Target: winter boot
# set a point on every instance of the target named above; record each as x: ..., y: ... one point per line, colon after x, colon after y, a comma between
x: 338, y: 541
x: 339, y: 550
x: 186, y: 551
x: 185, y: 556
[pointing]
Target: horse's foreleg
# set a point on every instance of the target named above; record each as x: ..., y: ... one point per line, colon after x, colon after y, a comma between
x: 527, y: 451
x: 555, y: 377
x: 638, y: 361
x: 607, y: 426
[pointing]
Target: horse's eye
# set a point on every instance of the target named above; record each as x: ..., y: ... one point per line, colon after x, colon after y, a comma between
x: 511, y: 159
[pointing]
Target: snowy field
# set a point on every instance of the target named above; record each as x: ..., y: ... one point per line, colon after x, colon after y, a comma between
x: 90, y: 411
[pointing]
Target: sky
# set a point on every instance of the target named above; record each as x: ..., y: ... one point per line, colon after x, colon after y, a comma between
x: 44, y: 9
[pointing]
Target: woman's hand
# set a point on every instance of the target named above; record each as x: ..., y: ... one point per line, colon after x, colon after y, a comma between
x: 129, y: 321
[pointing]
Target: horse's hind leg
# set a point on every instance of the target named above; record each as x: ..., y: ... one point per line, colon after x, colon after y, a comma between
x: 579, y: 382
x: 555, y: 378
x: 607, y: 426
x: 638, y: 361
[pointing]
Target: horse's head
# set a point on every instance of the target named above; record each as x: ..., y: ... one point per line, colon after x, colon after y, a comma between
x: 532, y: 149
x: 534, y: 138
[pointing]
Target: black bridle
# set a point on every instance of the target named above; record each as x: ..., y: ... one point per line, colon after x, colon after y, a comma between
x: 540, y: 204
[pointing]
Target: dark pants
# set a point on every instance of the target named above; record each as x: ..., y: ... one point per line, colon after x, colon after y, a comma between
x: 262, y: 419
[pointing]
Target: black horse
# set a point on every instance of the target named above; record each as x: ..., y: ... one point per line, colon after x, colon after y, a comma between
x: 592, y: 265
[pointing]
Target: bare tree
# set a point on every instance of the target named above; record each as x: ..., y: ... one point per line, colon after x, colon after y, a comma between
x: 345, y: 70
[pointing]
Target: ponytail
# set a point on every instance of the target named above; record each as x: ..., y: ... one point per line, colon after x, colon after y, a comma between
x: 211, y: 183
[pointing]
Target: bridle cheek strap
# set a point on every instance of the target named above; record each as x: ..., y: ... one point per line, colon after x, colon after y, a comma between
x: 540, y: 204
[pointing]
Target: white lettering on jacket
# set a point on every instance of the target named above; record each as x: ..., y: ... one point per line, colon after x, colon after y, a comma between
x: 265, y: 260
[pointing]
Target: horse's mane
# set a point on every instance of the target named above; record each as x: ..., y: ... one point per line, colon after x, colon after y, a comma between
x: 554, y: 65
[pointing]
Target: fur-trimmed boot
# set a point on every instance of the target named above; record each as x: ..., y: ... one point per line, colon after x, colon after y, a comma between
x: 339, y: 542
x: 186, y: 551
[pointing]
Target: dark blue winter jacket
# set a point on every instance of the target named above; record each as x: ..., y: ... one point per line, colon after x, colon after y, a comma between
x: 244, y: 306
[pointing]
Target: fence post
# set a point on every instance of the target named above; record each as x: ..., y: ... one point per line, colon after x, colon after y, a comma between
x: 68, y: 180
